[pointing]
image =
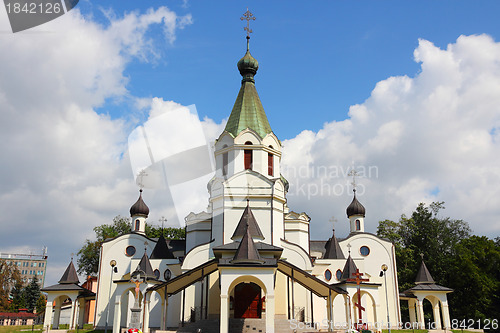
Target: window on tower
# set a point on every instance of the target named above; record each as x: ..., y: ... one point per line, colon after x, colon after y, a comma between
x: 248, y: 157
x: 270, y: 164
x: 137, y: 225
x: 358, y: 225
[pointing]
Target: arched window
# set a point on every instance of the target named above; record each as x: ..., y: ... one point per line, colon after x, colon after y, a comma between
x: 137, y: 224
x: 248, y: 157
x: 358, y: 225
x: 338, y: 274
x: 270, y: 164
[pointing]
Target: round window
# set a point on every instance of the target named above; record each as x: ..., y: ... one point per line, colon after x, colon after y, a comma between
x: 130, y: 251
x: 157, y: 274
x: 338, y: 274
x: 167, y: 275
x: 328, y: 275
x: 364, y: 250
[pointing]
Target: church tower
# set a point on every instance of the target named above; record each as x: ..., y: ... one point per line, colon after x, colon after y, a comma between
x: 248, y: 157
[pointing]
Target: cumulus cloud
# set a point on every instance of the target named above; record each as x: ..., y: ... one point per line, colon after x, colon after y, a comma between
x: 64, y: 165
x: 430, y: 137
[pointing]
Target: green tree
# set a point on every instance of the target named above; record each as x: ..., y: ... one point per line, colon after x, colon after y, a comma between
x: 32, y: 294
x: 468, y: 264
x: 18, y: 299
x: 41, y: 303
x: 88, y: 256
x: 9, y: 276
x: 168, y: 233
x: 475, y: 277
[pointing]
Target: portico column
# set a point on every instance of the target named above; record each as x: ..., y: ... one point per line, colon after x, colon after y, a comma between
x: 72, y: 318
x: 117, y: 316
x: 420, y: 313
x: 446, y: 315
x: 81, y: 312
x: 57, y: 314
x: 437, y: 317
x: 164, y: 316
x: 270, y: 313
x: 411, y: 310
x: 224, y: 314
x: 48, y: 315
x: 328, y: 312
x: 146, y: 313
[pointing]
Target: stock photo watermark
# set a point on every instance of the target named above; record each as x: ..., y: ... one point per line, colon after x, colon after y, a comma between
x: 26, y: 14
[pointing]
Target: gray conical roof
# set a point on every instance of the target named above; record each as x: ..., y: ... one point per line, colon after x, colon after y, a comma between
x: 349, y: 269
x: 247, y: 221
x: 161, y: 250
x: 423, y: 275
x: 247, y: 252
x: 333, y: 250
x: 70, y: 275
x: 145, y: 268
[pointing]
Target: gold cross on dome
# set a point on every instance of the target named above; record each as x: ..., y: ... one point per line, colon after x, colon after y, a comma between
x: 249, y: 17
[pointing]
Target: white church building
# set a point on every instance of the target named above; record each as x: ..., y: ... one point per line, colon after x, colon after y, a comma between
x: 248, y: 263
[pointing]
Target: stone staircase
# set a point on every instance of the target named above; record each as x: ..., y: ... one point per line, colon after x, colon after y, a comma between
x: 244, y: 326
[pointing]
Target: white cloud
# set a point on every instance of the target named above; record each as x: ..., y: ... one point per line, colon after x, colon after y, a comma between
x: 63, y: 165
x: 430, y: 137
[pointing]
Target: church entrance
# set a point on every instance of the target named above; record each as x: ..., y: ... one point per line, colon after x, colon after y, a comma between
x: 247, y: 301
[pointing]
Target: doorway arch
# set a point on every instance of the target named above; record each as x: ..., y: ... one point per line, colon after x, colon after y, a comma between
x: 247, y: 300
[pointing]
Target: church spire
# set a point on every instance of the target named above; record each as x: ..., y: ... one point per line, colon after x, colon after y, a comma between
x: 248, y: 111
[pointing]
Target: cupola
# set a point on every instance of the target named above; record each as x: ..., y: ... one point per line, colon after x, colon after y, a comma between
x: 356, y: 214
x: 139, y: 213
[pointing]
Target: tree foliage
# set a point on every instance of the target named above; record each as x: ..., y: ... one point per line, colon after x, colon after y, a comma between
x: 32, y: 294
x: 468, y: 264
x: 9, y: 277
x: 88, y: 256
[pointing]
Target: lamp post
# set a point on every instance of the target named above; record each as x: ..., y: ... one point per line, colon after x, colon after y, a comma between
x: 383, y: 272
x: 114, y: 269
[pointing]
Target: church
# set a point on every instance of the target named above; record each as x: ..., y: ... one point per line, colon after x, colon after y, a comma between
x: 247, y: 263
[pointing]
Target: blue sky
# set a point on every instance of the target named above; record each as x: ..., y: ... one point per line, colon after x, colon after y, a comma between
x: 316, y: 59
x: 409, y: 90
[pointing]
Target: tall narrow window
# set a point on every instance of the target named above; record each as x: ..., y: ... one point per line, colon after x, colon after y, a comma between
x: 270, y: 164
x: 248, y: 157
x: 224, y: 163
x: 137, y: 223
x: 358, y: 225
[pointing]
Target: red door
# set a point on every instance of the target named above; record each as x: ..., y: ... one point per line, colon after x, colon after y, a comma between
x: 247, y: 301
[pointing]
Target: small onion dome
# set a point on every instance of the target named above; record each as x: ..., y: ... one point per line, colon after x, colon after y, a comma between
x: 248, y: 64
x: 139, y: 208
x: 355, y: 208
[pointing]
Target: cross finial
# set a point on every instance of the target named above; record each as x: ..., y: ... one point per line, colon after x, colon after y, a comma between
x: 162, y: 220
x: 140, y: 178
x: 333, y: 220
x: 422, y: 256
x: 145, y: 246
x: 353, y: 173
x: 72, y: 255
x: 349, y: 248
x: 248, y: 16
